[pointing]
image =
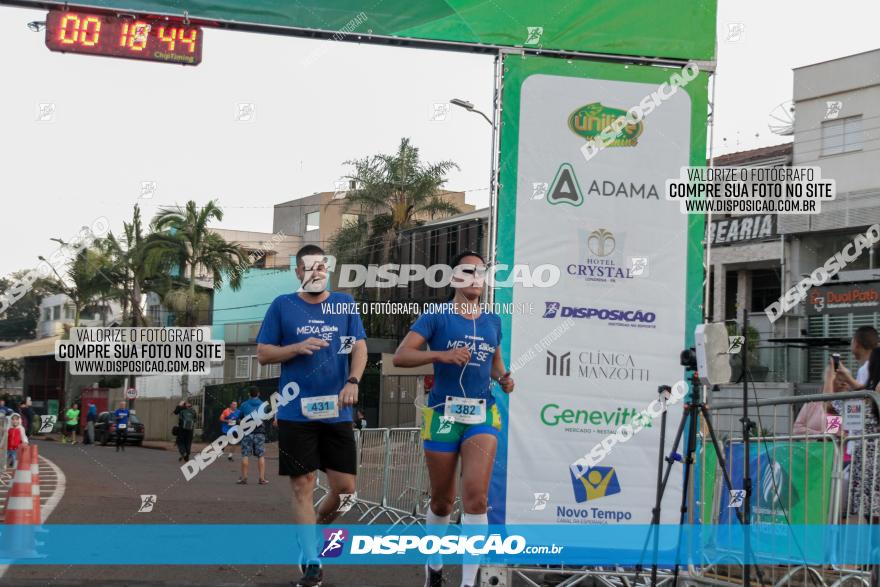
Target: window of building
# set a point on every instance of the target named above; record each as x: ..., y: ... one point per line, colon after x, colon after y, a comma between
x: 68, y: 312
x: 842, y: 135
x: 47, y: 314
x: 56, y: 312
x: 243, y: 367
x: 348, y: 219
x: 312, y: 221
x: 731, y: 281
x: 766, y: 288
x: 154, y: 312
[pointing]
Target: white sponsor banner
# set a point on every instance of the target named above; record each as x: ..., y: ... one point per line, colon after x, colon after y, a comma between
x: 623, y: 252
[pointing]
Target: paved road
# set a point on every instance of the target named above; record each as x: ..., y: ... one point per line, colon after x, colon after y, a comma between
x: 104, y: 487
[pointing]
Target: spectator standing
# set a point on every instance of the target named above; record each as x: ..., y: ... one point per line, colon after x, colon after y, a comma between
x: 864, y: 341
x: 864, y: 480
x: 229, y: 418
x: 15, y: 437
x: 27, y: 415
x: 186, y: 424
x: 121, y: 415
x: 91, y: 417
x: 253, y: 443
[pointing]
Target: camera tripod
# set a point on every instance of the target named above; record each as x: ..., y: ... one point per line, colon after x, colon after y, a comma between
x: 695, y: 408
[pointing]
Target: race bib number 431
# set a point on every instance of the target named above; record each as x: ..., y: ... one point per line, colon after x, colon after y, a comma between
x: 320, y: 407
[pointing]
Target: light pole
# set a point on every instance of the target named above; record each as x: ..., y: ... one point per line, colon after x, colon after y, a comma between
x: 470, y: 108
x: 493, y: 173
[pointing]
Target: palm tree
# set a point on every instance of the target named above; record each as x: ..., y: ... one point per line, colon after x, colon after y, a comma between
x: 395, y: 189
x: 182, y: 240
x: 130, y: 257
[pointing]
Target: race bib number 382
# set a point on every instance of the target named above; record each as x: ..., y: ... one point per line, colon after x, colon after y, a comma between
x: 465, y: 410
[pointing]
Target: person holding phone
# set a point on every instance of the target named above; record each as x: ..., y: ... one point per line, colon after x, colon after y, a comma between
x: 864, y: 341
x: 460, y: 419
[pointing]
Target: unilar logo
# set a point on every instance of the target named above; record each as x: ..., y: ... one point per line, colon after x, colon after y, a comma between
x: 334, y: 542
x: 589, y: 121
x: 147, y: 504
x: 346, y: 343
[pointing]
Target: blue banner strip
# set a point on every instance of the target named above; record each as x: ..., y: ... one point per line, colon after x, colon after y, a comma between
x: 165, y: 544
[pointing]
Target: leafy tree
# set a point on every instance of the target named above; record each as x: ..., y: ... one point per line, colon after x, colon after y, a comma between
x: 19, y: 322
x: 182, y: 240
x: 394, y: 189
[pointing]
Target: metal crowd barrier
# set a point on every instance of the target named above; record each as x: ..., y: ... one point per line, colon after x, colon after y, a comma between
x: 392, y: 478
x: 797, y: 479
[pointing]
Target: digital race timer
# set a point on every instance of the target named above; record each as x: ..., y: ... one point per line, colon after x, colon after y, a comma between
x: 114, y: 36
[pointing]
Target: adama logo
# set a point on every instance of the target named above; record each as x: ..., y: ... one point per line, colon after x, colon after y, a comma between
x: 590, y: 120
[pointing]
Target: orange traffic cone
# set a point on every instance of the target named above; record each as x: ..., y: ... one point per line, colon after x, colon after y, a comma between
x: 18, y: 536
x: 35, y: 482
x: 20, y: 502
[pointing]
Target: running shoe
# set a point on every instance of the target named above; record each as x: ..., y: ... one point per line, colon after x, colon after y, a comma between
x: 312, y: 576
x: 433, y: 578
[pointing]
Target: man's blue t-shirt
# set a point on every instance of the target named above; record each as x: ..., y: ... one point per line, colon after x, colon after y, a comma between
x: 290, y: 320
x: 121, y: 417
x: 444, y: 329
x: 250, y: 406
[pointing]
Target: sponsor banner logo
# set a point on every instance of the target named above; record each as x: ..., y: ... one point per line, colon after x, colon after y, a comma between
x: 615, y: 317
x: 596, y: 365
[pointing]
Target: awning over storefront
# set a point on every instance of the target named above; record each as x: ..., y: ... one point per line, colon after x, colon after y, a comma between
x: 31, y: 348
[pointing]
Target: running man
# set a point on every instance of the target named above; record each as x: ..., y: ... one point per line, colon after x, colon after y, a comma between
x: 121, y: 415
x: 460, y: 417
x: 313, y: 341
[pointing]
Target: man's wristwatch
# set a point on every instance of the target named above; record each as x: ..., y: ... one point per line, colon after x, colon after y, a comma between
x: 354, y: 380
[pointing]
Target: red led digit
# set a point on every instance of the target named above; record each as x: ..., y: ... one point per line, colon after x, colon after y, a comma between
x: 189, y: 41
x: 168, y: 39
x: 62, y: 36
x: 95, y: 32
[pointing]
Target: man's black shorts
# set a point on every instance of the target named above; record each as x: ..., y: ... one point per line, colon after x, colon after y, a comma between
x: 304, y: 447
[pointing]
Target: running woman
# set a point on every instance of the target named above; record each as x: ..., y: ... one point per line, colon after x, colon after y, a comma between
x: 460, y: 417
x: 313, y: 333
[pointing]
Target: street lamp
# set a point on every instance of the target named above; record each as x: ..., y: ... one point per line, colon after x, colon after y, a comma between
x: 469, y: 106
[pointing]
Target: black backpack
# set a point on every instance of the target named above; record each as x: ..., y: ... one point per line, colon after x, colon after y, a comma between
x: 187, y: 419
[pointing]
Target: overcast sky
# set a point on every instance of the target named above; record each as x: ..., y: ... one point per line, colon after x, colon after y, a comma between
x: 118, y: 123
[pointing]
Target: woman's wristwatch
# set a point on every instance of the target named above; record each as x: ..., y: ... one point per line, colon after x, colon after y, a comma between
x: 353, y: 380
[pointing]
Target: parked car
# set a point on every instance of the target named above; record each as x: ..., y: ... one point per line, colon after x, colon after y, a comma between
x: 105, y: 429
